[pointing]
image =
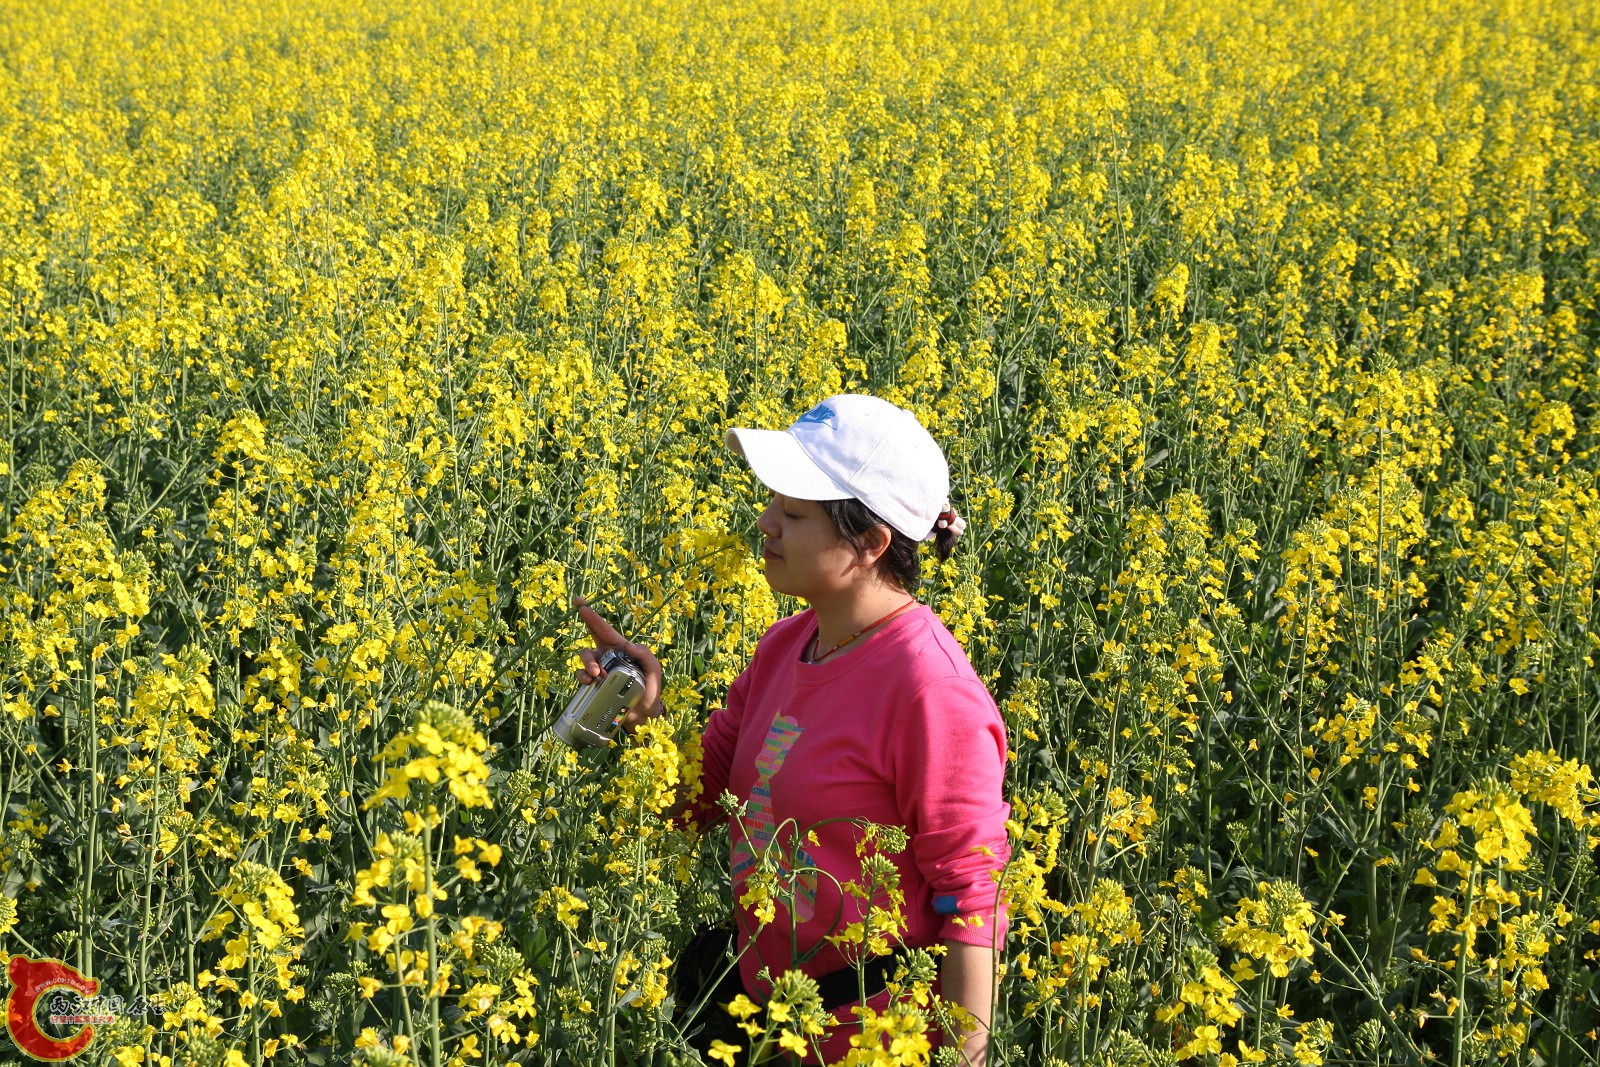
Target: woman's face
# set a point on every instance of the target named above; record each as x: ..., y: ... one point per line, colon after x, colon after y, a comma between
x: 803, y: 553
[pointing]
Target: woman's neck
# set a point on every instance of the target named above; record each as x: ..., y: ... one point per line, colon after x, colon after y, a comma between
x: 853, y: 613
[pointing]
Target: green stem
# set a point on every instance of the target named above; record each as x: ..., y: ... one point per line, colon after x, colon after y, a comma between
x: 1462, y: 956
x: 435, y: 1033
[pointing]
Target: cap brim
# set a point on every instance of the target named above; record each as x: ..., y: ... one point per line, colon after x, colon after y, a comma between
x: 783, y: 466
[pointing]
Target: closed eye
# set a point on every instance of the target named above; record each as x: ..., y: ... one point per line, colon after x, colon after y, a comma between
x: 786, y: 512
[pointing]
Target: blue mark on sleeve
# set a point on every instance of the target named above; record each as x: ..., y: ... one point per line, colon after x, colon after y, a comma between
x: 946, y: 904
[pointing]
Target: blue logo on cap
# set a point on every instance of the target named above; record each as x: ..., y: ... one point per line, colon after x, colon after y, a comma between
x: 822, y: 413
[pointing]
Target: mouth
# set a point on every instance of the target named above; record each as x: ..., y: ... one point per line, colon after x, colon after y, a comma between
x: 768, y: 553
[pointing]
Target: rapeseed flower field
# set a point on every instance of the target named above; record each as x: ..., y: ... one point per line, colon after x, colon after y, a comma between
x: 345, y: 343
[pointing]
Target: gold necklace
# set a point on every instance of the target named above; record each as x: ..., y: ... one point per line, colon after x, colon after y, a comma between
x: 814, y: 659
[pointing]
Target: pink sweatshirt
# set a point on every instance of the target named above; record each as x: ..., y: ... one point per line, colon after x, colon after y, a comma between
x: 899, y: 731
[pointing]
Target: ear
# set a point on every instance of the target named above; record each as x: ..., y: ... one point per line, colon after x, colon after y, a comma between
x: 872, y: 545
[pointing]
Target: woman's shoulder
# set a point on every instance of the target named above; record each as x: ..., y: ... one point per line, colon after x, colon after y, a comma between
x: 944, y: 697
x: 932, y: 654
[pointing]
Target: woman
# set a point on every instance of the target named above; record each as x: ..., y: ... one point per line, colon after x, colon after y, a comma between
x: 861, y: 708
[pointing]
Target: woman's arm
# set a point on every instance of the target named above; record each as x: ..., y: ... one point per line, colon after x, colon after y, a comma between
x: 967, y: 979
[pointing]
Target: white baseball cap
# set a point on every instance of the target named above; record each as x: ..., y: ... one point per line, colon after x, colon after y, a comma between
x: 855, y: 446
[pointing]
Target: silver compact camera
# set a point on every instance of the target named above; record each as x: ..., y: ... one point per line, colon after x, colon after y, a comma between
x: 596, y: 709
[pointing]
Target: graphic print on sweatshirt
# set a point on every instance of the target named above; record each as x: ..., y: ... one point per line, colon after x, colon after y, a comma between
x: 760, y: 826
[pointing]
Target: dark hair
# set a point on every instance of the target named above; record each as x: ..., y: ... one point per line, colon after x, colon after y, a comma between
x: 899, y: 563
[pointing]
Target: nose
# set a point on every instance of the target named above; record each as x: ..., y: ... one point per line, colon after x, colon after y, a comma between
x: 767, y: 523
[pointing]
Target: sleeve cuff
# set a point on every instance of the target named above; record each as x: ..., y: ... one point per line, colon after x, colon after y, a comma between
x: 985, y: 931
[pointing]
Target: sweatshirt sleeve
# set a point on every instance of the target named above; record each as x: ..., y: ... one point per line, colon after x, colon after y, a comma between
x: 948, y: 759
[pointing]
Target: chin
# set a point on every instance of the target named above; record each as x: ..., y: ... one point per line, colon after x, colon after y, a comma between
x: 773, y: 585
x: 776, y: 584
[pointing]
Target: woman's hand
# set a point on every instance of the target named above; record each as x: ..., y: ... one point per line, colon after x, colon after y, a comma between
x: 606, y: 636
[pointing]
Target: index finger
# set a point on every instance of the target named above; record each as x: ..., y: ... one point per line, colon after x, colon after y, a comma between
x: 605, y: 635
